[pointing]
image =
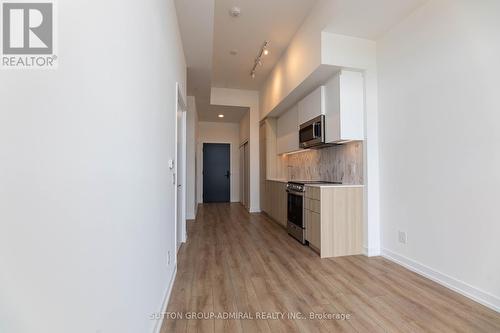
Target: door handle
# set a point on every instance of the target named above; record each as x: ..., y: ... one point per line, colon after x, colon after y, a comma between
x: 228, y: 174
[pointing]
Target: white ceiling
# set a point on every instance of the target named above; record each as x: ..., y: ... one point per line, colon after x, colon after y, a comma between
x: 260, y: 20
x: 232, y: 114
x: 196, y: 21
x: 209, y: 33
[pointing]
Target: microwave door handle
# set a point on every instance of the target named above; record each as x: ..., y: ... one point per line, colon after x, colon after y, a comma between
x: 315, y: 131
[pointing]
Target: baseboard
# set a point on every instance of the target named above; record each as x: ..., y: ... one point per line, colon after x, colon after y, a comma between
x: 254, y: 210
x: 166, y: 299
x: 460, y: 287
x: 371, y: 252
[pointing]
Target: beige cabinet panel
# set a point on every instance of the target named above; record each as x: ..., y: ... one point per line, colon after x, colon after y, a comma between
x: 276, y: 205
x: 284, y: 204
x: 315, y: 230
x: 342, y: 223
x: 334, y: 217
x: 307, y: 223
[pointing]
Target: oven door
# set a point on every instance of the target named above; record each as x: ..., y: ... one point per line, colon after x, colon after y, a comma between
x: 296, y: 208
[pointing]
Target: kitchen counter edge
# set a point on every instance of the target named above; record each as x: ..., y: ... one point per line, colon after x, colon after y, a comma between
x: 316, y: 185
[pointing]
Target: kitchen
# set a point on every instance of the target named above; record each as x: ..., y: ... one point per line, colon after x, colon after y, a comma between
x: 312, y: 166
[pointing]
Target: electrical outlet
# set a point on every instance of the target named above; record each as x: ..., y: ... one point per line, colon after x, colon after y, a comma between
x: 168, y: 258
x: 402, y: 237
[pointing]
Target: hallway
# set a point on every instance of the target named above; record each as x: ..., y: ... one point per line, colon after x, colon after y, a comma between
x: 240, y: 263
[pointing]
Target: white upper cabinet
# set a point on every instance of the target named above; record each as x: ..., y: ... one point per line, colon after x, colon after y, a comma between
x: 312, y: 106
x: 340, y: 100
x: 344, y: 101
x: 287, y: 132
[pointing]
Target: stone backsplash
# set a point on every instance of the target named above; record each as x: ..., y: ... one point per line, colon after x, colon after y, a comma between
x: 342, y: 163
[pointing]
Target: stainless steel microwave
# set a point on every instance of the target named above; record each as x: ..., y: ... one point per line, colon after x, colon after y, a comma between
x: 312, y: 133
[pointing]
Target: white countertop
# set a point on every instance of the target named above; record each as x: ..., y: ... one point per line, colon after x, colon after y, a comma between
x: 316, y: 185
x: 333, y: 185
x: 278, y: 180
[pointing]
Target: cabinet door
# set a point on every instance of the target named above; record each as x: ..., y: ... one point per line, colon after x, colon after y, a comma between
x: 276, y: 204
x: 312, y: 106
x: 283, y: 202
x: 344, y: 105
x: 352, y: 103
x: 307, y: 223
x: 287, y: 132
x: 274, y: 207
x: 315, y: 230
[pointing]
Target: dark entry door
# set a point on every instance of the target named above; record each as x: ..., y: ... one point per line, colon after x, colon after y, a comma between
x: 216, y: 172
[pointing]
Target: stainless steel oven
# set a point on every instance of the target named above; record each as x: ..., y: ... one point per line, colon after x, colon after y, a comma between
x: 295, y: 213
x: 312, y: 133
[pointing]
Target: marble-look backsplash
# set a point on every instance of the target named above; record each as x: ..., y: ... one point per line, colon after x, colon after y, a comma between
x: 337, y: 163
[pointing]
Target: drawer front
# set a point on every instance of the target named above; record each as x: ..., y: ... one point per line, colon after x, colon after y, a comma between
x: 313, y: 192
x: 315, y: 206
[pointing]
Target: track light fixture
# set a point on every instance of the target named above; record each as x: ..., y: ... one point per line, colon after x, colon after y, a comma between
x: 258, y: 61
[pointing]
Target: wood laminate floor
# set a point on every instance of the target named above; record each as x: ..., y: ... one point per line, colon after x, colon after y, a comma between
x: 246, y: 264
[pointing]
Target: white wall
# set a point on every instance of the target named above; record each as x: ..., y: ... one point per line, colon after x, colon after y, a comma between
x: 245, y: 128
x: 300, y: 59
x: 86, y: 198
x: 213, y: 132
x: 439, y: 134
x: 192, y: 138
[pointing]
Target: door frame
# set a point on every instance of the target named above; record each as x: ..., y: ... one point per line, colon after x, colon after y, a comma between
x: 244, y: 187
x: 230, y: 166
x: 180, y: 106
